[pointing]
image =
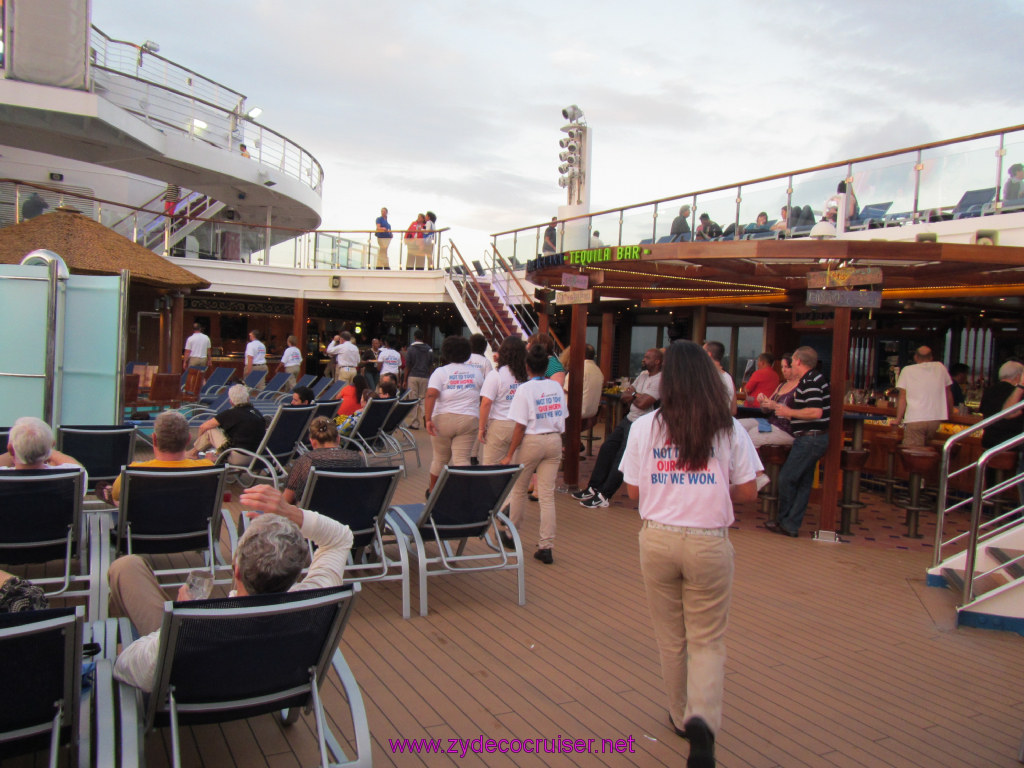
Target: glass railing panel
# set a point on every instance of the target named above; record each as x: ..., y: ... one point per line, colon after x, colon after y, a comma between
x: 886, y: 180
x: 950, y: 172
x: 1014, y: 146
x: 519, y: 248
x: 638, y: 224
x: 720, y: 206
x: 767, y: 197
x: 815, y: 188
x: 604, y: 230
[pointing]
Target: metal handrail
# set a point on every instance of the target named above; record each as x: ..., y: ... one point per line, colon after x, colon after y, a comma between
x: 474, y: 296
x: 945, y: 475
x: 206, y: 93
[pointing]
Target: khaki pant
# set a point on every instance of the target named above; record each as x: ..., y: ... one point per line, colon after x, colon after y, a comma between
x: 215, y: 439
x: 688, y: 579
x: 454, y: 440
x: 415, y: 256
x: 345, y: 374
x: 919, y: 432
x: 382, y: 253
x: 418, y: 388
x: 499, y: 435
x: 135, y: 593
x: 541, y: 454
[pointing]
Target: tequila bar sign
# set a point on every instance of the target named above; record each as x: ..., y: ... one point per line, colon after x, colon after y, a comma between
x: 852, y: 299
x: 844, y: 279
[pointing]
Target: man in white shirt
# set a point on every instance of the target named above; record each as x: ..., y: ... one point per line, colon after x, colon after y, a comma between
x: 269, y: 558
x: 925, y: 397
x: 197, y: 349
x: 641, y: 397
x: 593, y: 383
x: 388, y: 358
x: 291, y: 362
x: 716, y: 351
x: 255, y: 357
x: 346, y: 357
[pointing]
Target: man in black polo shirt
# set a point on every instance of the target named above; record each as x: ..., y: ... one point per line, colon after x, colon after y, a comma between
x: 240, y: 426
x: 809, y: 415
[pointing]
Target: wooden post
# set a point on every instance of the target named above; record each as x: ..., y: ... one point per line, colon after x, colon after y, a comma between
x: 573, y: 425
x: 830, y: 483
x: 700, y: 325
x: 299, y: 329
x: 177, y: 331
x: 607, y: 343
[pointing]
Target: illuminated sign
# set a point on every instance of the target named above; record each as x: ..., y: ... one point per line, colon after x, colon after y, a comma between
x: 611, y: 253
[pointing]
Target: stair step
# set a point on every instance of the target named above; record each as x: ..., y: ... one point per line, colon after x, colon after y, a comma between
x: 955, y: 579
x: 1015, y: 570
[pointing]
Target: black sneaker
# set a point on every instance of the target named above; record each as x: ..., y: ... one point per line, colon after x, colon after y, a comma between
x: 595, y: 502
x: 584, y: 494
x: 544, y: 555
x: 507, y: 540
x: 702, y: 744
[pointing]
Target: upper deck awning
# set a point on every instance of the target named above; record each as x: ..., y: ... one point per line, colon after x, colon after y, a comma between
x: 775, y: 271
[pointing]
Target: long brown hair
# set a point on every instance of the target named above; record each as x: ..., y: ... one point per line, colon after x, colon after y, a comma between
x: 694, y: 408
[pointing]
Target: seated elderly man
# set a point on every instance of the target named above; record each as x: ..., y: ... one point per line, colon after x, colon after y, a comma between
x: 170, y: 439
x: 30, y: 446
x: 269, y: 558
x: 240, y: 426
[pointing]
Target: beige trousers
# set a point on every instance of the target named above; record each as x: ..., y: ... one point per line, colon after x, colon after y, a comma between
x: 454, y: 440
x: 688, y: 579
x: 541, y: 454
x: 499, y: 435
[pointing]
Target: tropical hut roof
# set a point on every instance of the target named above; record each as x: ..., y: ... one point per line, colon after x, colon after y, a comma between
x: 90, y: 248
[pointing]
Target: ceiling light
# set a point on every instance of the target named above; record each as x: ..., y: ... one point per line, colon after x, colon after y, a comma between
x: 198, y: 124
x: 253, y: 113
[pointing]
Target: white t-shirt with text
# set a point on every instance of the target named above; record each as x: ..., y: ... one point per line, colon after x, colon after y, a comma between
x: 458, y: 386
x: 539, y: 404
x: 390, y: 360
x: 500, y: 387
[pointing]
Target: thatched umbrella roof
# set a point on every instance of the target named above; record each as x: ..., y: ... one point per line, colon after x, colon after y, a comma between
x: 89, y: 248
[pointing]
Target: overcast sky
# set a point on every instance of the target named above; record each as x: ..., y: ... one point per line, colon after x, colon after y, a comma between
x: 455, y: 106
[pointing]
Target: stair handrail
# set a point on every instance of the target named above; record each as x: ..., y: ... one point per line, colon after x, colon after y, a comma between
x: 127, y: 216
x: 974, y: 532
x: 945, y: 475
x: 521, y: 311
x: 472, y: 286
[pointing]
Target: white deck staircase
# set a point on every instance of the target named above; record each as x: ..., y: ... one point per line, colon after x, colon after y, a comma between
x: 159, y: 234
x: 984, y: 566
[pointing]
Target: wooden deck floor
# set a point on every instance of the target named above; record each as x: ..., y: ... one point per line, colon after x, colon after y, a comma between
x: 839, y: 655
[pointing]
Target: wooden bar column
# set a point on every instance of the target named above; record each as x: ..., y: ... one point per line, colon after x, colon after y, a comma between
x: 607, y: 343
x: 177, y: 330
x: 573, y: 425
x: 830, y: 483
x: 700, y: 325
x: 299, y: 329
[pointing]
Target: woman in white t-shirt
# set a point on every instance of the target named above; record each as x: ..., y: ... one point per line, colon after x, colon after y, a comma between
x: 496, y: 398
x: 687, y: 463
x: 538, y: 410
x: 452, y: 407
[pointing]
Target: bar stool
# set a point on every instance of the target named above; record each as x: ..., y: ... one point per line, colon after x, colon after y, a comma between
x: 773, y: 457
x: 918, y: 462
x: 851, y: 462
x: 887, y: 442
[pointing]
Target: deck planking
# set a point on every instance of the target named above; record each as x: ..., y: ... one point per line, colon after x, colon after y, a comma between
x: 838, y: 656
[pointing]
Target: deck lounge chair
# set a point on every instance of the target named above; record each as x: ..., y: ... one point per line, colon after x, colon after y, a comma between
x: 320, y: 387
x: 871, y: 216
x: 217, y: 381
x: 41, y: 522
x: 276, y: 450
x: 366, y: 436
x: 331, y: 391
x: 360, y: 498
x: 254, y: 379
x: 464, y: 505
x: 41, y: 669
x: 306, y: 380
x: 232, y: 658
x: 273, y: 388
x: 170, y: 509
x: 394, y: 431
x: 102, y: 450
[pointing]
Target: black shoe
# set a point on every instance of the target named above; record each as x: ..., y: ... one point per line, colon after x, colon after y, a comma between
x: 702, y: 744
x: 426, y: 494
x: 771, y: 525
x: 791, y: 534
x: 583, y: 494
x: 507, y: 540
x: 531, y: 497
x: 544, y: 555
x: 474, y: 461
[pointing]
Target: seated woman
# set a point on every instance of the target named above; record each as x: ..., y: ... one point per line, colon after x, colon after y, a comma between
x: 783, y: 223
x: 781, y: 432
x: 326, y: 454
x: 351, y: 395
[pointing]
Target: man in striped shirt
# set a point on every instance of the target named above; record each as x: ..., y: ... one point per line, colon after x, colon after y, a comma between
x: 809, y: 415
